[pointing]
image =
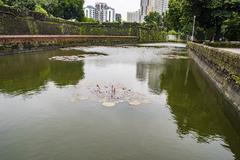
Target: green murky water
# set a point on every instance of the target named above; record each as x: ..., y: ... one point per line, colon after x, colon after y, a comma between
x: 41, y: 116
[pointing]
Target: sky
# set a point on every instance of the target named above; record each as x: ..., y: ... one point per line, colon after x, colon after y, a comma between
x: 120, y: 6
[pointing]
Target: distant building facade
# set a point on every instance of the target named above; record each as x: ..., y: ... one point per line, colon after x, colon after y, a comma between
x: 118, y: 17
x: 147, y: 6
x: 110, y: 15
x: 144, y: 7
x: 160, y: 6
x: 90, y: 12
x: 101, y: 12
x: 134, y: 16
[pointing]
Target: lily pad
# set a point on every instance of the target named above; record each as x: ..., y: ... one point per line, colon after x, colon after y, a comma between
x: 134, y: 103
x: 108, y: 104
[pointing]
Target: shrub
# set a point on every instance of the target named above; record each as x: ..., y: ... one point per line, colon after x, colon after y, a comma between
x: 172, y: 32
x: 39, y: 9
x: 89, y: 20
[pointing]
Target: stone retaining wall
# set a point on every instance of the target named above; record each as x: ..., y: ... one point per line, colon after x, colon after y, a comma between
x: 14, y: 22
x: 19, y: 44
x: 222, y: 67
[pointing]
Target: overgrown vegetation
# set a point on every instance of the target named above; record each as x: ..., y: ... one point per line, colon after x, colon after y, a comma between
x: 66, y: 9
x: 89, y: 20
x: 215, y: 19
x: 39, y: 9
x: 154, y: 19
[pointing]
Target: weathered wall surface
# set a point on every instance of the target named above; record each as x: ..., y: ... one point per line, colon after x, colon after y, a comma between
x: 25, y: 43
x: 222, y: 67
x: 14, y: 22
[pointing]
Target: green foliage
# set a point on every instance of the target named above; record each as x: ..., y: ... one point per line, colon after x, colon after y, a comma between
x: 149, y: 35
x: 21, y: 4
x: 39, y: 9
x: 89, y: 20
x: 231, y: 27
x: 154, y: 18
x: 1, y: 2
x: 172, y: 32
x: 67, y: 9
x: 214, y: 19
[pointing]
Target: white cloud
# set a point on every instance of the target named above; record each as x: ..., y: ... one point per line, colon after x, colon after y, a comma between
x: 121, y: 6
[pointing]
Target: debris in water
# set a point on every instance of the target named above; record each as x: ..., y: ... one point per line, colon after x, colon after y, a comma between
x: 73, y: 58
x: 134, y: 103
x: 108, y: 104
x: 111, y: 94
x: 67, y: 58
x: 78, y: 98
x: 175, y: 56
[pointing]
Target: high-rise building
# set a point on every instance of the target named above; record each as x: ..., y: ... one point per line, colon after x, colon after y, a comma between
x: 101, y: 12
x: 144, y: 9
x: 133, y: 16
x: 90, y: 12
x: 147, y: 6
x: 160, y: 6
x: 110, y: 16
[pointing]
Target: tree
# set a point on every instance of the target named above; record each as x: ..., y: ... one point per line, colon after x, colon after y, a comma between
x: 69, y: 9
x: 154, y: 18
x: 171, y: 18
x: 39, y: 9
x: 21, y: 4
x: 213, y: 18
x: 231, y: 27
x: 89, y: 20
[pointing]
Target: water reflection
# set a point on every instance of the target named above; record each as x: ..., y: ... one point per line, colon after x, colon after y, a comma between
x: 194, y: 105
x: 25, y: 73
x: 185, y: 118
x: 150, y: 72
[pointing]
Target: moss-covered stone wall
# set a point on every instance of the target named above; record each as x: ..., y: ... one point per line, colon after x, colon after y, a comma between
x: 222, y: 67
x: 21, y: 43
x: 14, y: 22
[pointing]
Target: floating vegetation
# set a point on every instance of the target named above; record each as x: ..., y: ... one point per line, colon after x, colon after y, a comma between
x: 67, y: 58
x: 108, y: 104
x: 175, y: 56
x: 80, y: 50
x: 73, y: 58
x: 135, y: 103
x: 110, y: 95
x: 77, y: 98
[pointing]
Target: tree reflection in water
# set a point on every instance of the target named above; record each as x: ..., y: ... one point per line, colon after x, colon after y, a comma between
x: 196, y: 107
x: 21, y: 74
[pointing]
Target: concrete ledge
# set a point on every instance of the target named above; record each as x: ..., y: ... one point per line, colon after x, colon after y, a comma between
x: 27, y: 43
x: 222, y: 67
x: 38, y: 38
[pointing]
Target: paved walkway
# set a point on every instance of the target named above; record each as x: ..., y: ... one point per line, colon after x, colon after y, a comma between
x: 233, y: 50
x: 169, y: 44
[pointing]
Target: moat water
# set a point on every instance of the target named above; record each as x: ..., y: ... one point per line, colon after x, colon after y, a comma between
x: 158, y: 105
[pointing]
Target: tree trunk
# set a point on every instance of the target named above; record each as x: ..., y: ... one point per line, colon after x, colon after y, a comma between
x: 218, y: 29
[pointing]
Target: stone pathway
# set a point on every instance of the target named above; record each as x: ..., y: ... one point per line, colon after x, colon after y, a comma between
x: 233, y: 50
